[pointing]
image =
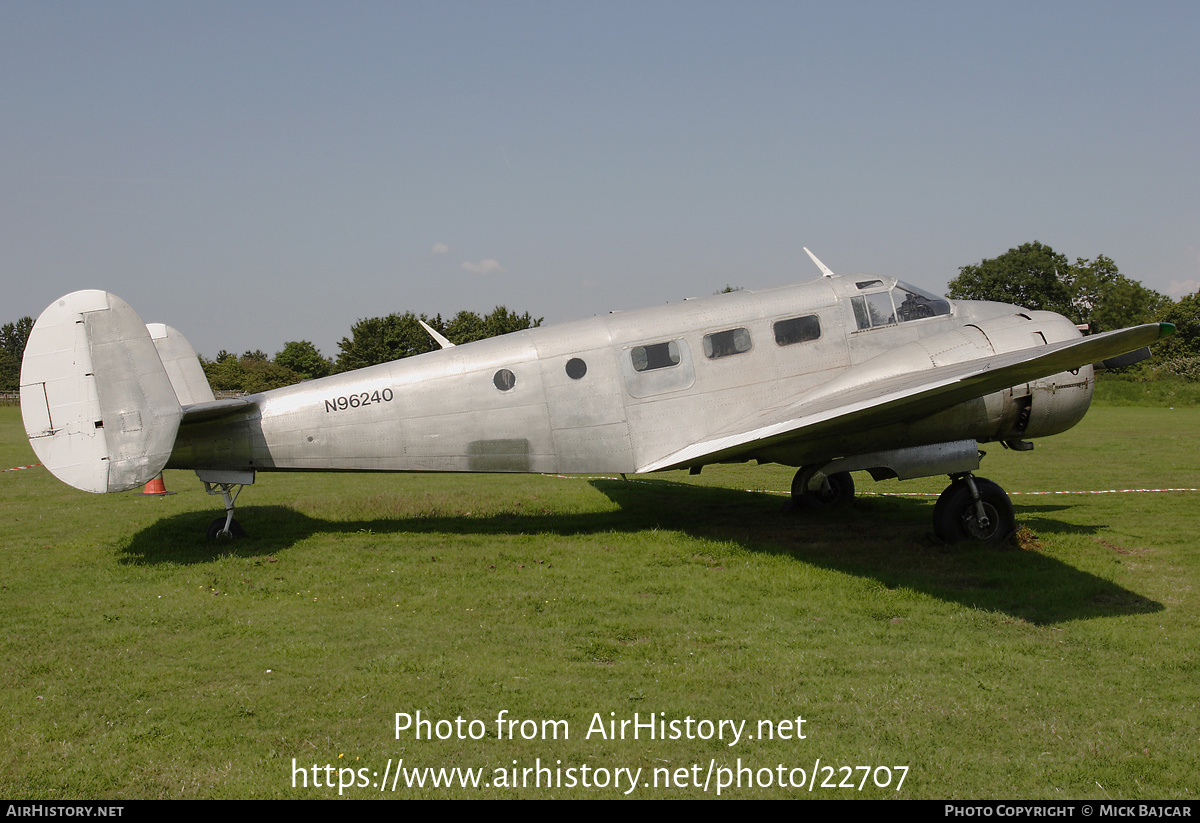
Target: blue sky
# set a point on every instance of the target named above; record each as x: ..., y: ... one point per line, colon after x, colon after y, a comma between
x: 253, y: 173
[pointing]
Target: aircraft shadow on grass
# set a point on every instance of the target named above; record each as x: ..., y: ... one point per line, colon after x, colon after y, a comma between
x: 885, y: 539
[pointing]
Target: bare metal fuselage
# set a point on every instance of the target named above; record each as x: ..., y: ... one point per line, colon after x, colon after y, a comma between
x: 582, y: 397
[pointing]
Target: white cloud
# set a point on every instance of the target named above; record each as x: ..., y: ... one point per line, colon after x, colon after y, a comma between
x: 1182, y: 288
x: 439, y: 248
x: 487, y: 266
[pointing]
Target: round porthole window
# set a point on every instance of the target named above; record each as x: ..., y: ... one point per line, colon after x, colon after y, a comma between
x: 504, y: 380
x: 576, y: 368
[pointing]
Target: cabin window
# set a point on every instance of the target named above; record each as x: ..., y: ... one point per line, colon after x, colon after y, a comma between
x: 725, y: 343
x: 504, y: 380
x: 797, y: 330
x: 655, y: 356
x: 576, y: 368
x: 657, y: 368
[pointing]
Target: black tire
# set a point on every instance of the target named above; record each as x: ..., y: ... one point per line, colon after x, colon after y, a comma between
x: 939, y: 508
x: 955, y: 517
x: 838, y: 490
x: 217, y: 526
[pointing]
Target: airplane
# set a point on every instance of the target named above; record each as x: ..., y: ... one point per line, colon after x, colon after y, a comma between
x: 839, y: 374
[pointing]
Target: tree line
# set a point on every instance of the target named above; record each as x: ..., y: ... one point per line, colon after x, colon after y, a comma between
x: 1091, y: 291
x: 12, y: 346
x: 372, y: 341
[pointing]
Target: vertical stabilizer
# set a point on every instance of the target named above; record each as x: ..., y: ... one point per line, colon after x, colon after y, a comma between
x: 99, y: 408
x: 182, y: 365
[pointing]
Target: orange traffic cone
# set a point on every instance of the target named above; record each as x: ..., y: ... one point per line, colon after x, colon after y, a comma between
x: 156, y: 487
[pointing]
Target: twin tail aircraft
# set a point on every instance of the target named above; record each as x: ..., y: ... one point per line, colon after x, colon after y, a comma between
x: 831, y: 376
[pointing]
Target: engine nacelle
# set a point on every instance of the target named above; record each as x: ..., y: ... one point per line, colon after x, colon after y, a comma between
x: 1047, y: 406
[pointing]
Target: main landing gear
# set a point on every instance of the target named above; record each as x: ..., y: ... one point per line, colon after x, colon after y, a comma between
x: 813, y: 489
x: 972, y: 508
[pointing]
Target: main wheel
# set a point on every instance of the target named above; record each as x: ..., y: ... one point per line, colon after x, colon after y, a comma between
x: 215, y: 529
x: 956, y: 517
x: 812, y: 490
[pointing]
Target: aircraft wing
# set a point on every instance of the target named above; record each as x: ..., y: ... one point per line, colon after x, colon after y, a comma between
x: 906, y: 396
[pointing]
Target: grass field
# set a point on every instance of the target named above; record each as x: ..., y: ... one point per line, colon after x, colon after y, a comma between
x: 1128, y: 390
x: 141, y: 661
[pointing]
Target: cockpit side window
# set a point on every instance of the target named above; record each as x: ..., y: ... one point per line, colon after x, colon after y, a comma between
x: 861, y: 317
x: 879, y: 305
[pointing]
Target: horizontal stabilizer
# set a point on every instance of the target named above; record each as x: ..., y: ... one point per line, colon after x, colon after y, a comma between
x: 215, y: 409
x: 99, y: 407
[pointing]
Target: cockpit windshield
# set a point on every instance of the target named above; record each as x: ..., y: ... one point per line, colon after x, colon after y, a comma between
x: 913, y: 304
x: 899, y: 304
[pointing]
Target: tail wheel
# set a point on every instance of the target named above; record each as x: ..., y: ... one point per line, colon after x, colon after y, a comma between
x: 216, y: 530
x: 958, y: 516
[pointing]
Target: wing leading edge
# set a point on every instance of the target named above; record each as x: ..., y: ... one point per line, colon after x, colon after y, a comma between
x: 907, y: 396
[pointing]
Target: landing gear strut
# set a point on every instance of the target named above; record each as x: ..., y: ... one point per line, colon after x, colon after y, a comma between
x: 812, y: 489
x: 225, y: 528
x: 972, y: 508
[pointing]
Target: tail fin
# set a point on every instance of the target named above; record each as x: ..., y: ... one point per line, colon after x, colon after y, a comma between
x: 99, y: 407
x: 182, y: 365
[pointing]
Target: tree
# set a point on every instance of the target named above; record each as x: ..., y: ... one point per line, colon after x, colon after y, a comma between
x: 502, y: 321
x: 262, y: 375
x: 1029, y: 276
x: 1179, y: 354
x: 1036, y: 277
x: 1106, y: 300
x: 376, y: 340
x: 252, y: 372
x: 304, y: 359
x: 1185, y: 316
x: 13, y: 337
x: 465, y: 327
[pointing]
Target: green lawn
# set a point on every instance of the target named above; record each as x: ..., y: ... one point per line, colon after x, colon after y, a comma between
x: 1127, y: 390
x: 142, y: 661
